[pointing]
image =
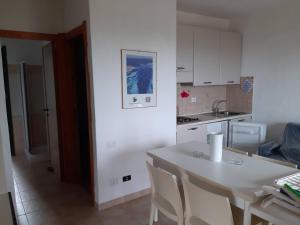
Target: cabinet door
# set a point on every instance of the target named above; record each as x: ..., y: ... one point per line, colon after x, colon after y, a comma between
x: 185, y: 54
x: 230, y: 57
x: 206, y: 57
x: 191, y: 133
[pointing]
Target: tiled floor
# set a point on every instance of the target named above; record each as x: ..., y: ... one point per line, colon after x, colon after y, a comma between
x: 43, y: 200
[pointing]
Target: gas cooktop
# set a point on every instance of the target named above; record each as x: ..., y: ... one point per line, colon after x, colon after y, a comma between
x: 186, y: 119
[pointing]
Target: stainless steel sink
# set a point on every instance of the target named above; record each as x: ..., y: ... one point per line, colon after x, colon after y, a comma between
x: 225, y: 114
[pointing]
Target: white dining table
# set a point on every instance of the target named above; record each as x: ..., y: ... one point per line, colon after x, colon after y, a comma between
x: 238, y: 182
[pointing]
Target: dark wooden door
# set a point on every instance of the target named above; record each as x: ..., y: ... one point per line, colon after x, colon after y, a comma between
x: 67, y: 111
x: 74, y: 107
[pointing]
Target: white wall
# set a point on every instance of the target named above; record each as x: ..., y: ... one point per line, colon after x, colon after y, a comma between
x: 123, y: 136
x: 271, y: 53
x: 75, y: 12
x: 32, y: 15
x: 187, y: 18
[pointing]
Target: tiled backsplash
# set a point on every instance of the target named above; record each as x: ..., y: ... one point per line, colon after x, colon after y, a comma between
x: 205, y: 96
x: 237, y: 100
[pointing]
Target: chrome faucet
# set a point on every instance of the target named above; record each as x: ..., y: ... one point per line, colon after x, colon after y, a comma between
x: 216, y: 105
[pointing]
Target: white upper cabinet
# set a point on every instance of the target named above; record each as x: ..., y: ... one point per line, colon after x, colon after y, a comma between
x: 230, y: 57
x: 206, y: 57
x: 185, y: 54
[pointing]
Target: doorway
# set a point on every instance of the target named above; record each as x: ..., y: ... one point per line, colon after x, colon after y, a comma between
x: 26, y: 93
x: 64, y: 56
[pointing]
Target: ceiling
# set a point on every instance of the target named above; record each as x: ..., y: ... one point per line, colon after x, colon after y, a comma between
x: 227, y: 8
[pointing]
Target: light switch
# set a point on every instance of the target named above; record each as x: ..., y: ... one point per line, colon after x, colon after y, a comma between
x: 193, y: 99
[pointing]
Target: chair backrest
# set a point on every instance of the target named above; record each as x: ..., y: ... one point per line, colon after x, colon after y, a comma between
x: 208, y: 207
x: 165, y: 185
x: 237, y: 151
x: 284, y: 163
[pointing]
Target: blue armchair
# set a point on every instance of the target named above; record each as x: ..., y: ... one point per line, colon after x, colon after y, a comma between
x: 288, y: 150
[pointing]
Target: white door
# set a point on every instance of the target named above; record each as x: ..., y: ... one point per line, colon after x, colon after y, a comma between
x: 231, y: 53
x: 185, y: 54
x: 6, y: 180
x: 51, y: 107
x: 206, y: 57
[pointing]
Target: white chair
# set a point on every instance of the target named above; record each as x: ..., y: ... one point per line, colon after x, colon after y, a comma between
x: 205, y: 208
x: 165, y: 195
x: 284, y: 163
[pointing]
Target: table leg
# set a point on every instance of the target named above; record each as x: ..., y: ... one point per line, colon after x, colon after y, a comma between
x: 156, y: 215
x: 247, y: 214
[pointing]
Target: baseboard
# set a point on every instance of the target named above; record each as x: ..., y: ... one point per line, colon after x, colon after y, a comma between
x: 124, y: 199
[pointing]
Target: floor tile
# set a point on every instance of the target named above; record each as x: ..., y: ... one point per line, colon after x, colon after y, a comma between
x: 43, y: 217
x: 20, y: 209
x: 35, y: 205
x: 43, y: 200
x: 22, y: 220
x: 28, y: 195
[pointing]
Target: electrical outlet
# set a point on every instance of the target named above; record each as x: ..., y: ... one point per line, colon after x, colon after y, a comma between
x: 193, y: 99
x: 126, y: 178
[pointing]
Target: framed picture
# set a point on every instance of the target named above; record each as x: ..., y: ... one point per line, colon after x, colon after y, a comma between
x: 139, y: 76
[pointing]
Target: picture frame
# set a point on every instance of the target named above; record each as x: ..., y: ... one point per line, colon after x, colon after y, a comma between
x: 139, y: 79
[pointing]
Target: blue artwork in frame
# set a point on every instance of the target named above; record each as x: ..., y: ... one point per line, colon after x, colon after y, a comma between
x: 139, y: 78
x: 139, y: 74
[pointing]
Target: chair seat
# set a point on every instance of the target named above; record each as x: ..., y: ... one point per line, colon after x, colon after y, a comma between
x: 164, y: 206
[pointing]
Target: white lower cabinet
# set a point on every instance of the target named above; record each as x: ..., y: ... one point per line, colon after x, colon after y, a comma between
x: 198, y: 132
x: 187, y: 133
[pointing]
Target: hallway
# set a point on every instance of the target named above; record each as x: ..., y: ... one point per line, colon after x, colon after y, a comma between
x: 43, y: 200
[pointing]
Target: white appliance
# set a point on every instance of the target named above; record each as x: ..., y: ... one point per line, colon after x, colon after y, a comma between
x: 247, y: 136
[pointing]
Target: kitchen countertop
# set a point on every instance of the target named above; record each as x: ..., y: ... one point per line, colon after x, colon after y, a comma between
x: 206, y: 118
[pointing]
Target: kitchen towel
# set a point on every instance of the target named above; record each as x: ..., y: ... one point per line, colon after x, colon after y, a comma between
x: 216, y: 146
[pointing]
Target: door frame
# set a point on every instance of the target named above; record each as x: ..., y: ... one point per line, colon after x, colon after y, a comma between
x: 60, y: 54
x: 8, y: 103
x: 54, y: 39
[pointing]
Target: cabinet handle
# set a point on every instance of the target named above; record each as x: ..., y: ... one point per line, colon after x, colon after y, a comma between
x: 194, y: 128
x: 180, y: 68
x: 230, y: 82
x: 207, y: 82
